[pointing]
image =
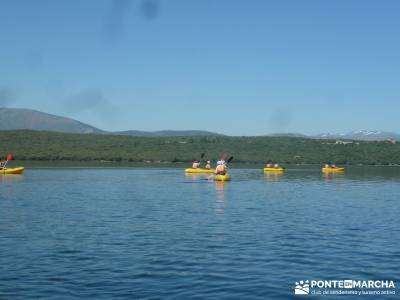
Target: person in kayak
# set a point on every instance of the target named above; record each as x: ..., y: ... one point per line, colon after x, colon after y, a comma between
x: 208, y: 165
x: 3, y: 164
x: 329, y: 165
x: 221, y: 168
x: 196, y: 164
x: 269, y: 164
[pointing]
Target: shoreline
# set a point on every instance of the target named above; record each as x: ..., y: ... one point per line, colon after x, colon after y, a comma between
x: 154, y: 165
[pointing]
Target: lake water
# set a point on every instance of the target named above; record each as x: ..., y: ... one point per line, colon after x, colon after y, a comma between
x: 159, y: 234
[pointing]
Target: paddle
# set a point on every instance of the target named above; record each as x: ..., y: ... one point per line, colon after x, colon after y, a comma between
x: 227, y: 162
x: 9, y: 157
x: 201, y: 157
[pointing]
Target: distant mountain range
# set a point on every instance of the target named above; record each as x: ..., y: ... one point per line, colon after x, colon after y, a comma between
x: 364, y: 135
x: 166, y: 133
x: 288, y: 135
x: 361, y: 135
x: 19, y: 118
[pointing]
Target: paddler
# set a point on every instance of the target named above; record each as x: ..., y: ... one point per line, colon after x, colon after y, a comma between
x: 330, y: 165
x: 221, y: 168
x: 269, y: 164
x: 3, y: 164
x: 208, y: 165
x: 196, y: 164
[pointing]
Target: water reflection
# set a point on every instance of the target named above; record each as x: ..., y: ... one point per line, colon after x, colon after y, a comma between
x: 273, y: 176
x: 220, y: 196
x: 11, y: 178
x: 220, y: 186
x: 199, y: 176
x: 332, y: 176
x: 193, y: 176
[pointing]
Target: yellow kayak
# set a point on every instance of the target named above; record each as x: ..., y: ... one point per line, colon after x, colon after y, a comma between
x: 225, y: 177
x: 199, y: 170
x: 332, y: 170
x: 269, y: 169
x: 7, y: 171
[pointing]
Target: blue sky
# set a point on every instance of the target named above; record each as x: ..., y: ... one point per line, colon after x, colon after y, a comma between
x: 235, y: 67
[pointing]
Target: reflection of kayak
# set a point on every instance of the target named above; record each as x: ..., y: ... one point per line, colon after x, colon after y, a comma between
x: 279, y: 169
x: 6, y: 171
x: 332, y: 170
x: 200, y: 170
x: 225, y: 177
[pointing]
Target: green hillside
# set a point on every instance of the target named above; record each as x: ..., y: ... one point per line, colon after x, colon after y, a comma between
x: 35, y: 145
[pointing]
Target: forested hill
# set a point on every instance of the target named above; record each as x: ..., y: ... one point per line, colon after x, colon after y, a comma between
x: 35, y: 145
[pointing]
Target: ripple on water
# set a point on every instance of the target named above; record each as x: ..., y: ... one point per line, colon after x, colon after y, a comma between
x: 156, y: 234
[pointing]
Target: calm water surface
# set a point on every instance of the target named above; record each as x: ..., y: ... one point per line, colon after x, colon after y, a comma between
x: 158, y: 234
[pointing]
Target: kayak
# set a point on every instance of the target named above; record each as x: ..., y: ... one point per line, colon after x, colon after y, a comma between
x: 6, y: 171
x: 332, y: 170
x: 200, y: 170
x: 279, y: 169
x: 225, y: 177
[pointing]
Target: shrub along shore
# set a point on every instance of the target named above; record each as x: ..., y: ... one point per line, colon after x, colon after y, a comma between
x: 36, y: 146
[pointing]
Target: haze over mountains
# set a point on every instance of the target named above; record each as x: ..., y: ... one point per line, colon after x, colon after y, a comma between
x: 19, y: 118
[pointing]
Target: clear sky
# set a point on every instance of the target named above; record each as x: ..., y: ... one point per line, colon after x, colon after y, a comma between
x: 236, y: 67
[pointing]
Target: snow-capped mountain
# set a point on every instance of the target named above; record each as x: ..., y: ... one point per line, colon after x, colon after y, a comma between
x: 328, y: 135
x: 364, y: 135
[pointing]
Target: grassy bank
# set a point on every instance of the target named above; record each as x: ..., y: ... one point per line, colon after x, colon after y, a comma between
x: 110, y: 150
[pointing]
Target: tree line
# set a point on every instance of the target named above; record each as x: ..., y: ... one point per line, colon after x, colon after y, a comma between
x: 52, y: 146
